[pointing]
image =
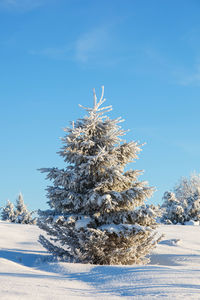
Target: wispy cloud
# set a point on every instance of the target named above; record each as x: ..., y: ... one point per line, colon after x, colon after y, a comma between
x: 59, y: 53
x: 190, y: 147
x: 189, y: 77
x: 190, y: 74
x: 153, y: 54
x: 21, y: 5
x: 88, y: 47
x: 175, y: 71
x: 91, y: 44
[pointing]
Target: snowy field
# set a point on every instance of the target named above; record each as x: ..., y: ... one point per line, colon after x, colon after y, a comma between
x: 174, y: 271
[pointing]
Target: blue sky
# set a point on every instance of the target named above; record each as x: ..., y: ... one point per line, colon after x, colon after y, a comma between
x: 53, y: 52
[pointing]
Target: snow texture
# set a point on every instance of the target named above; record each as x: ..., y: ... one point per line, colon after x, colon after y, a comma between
x: 27, y: 273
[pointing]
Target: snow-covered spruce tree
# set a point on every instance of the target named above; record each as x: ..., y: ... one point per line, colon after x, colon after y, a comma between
x: 8, y: 213
x: 183, y: 204
x: 193, y: 208
x: 97, y: 210
x: 172, y: 209
x: 23, y: 216
x: 187, y: 187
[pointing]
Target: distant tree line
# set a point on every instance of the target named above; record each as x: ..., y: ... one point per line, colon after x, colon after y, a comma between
x: 18, y: 214
x: 182, y: 204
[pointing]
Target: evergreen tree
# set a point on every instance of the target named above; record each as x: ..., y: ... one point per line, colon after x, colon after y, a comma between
x: 173, y: 209
x: 187, y: 187
x: 193, y: 206
x: 23, y: 216
x: 8, y: 213
x: 97, y: 213
x: 183, y: 204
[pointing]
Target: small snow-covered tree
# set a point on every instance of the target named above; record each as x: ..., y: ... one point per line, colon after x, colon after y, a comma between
x: 193, y: 206
x: 187, y: 187
x: 97, y: 213
x: 8, y: 213
x: 23, y: 216
x: 173, y: 209
x: 183, y: 204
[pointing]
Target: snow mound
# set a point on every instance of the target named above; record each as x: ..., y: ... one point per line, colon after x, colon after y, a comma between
x: 26, y: 271
x: 172, y: 242
x: 193, y: 223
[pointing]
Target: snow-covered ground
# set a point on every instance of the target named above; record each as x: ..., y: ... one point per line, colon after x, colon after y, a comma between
x: 174, y: 271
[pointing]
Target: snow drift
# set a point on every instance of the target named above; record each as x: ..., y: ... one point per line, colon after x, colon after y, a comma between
x: 26, y: 271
